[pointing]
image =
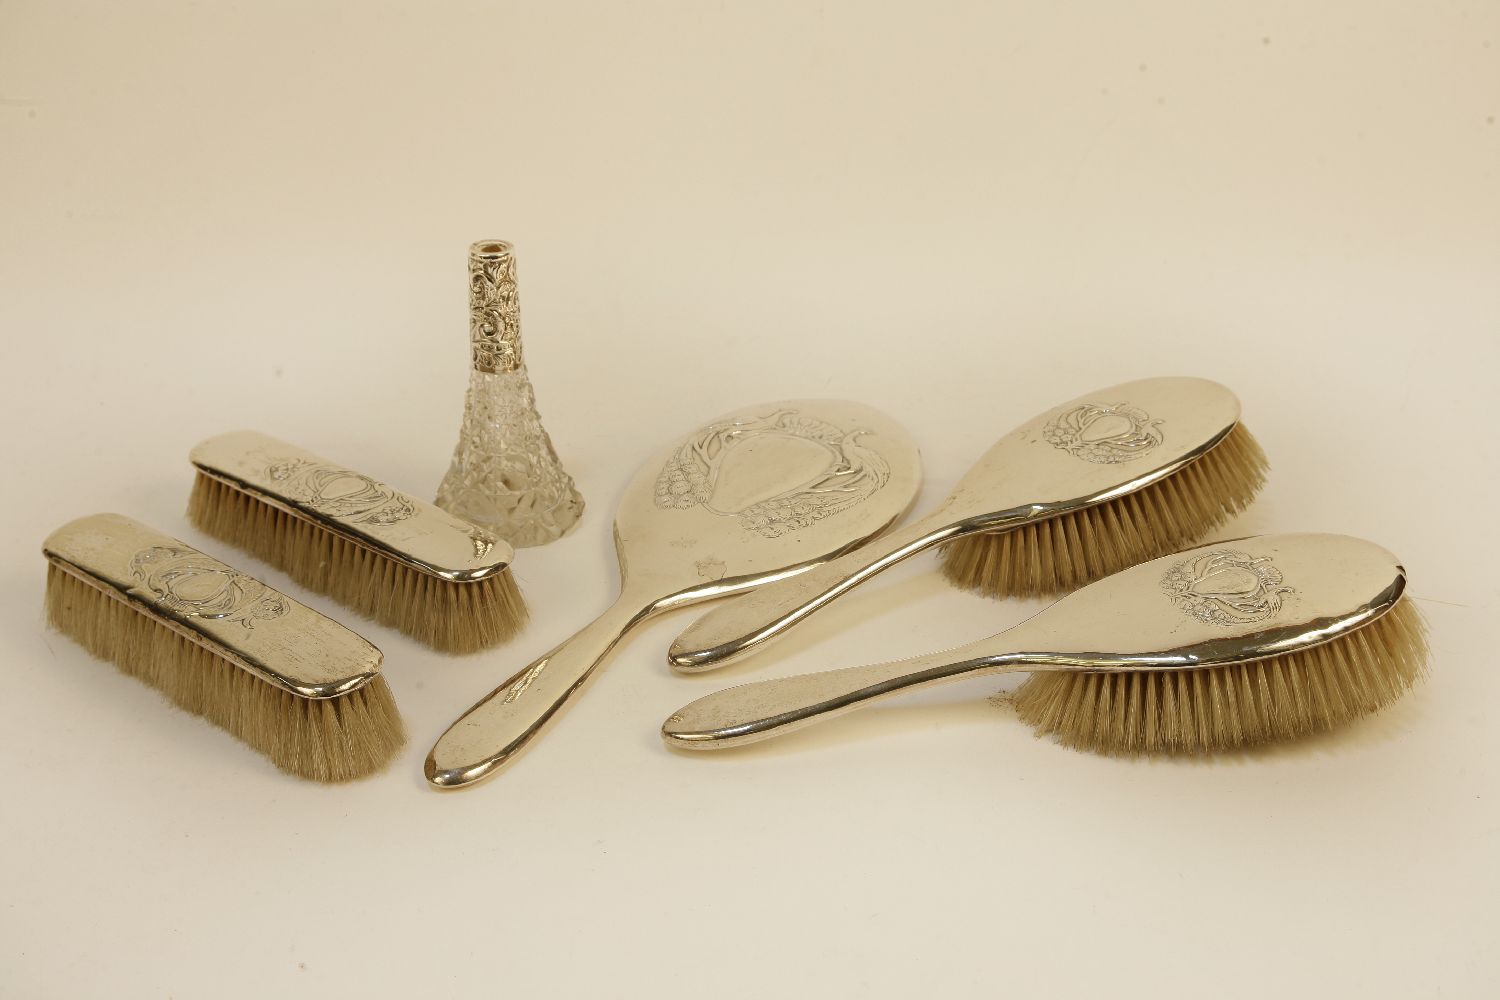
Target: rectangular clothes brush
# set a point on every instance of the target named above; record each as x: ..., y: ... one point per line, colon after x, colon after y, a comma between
x: 290, y: 682
x: 386, y: 555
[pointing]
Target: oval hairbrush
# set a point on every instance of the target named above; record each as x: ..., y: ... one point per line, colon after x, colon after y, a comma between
x: 1216, y: 648
x: 1088, y: 488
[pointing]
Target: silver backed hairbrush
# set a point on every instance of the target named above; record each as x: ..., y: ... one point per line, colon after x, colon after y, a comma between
x: 1099, y: 483
x: 293, y: 684
x: 1220, y: 647
x: 389, y: 556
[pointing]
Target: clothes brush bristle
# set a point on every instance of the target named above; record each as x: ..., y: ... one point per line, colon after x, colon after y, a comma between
x: 1214, y: 709
x: 1065, y: 552
x: 448, y: 616
x: 330, y: 739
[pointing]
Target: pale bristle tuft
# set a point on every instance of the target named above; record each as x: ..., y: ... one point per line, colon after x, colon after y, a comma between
x: 452, y: 617
x: 1215, y: 709
x: 1065, y: 552
x: 331, y: 740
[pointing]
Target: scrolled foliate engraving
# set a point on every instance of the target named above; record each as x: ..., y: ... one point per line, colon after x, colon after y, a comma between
x: 192, y: 585
x: 339, y: 492
x: 849, y: 473
x: 1104, y: 435
x: 494, y: 309
x: 1226, y: 587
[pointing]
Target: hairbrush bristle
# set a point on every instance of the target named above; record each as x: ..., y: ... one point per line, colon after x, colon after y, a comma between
x: 1070, y: 550
x: 328, y: 739
x: 453, y: 617
x: 1232, y: 707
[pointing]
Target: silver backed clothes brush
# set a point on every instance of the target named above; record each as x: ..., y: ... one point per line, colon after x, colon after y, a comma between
x: 388, y: 556
x: 294, y: 685
x: 1220, y: 647
x: 757, y: 495
x: 1088, y: 488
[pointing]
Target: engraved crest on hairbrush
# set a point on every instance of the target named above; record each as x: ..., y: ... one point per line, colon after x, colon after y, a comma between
x: 194, y: 586
x: 1104, y: 435
x: 338, y: 492
x: 1226, y: 587
x: 845, y: 473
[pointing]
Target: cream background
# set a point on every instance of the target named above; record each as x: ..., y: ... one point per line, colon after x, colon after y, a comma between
x: 218, y: 216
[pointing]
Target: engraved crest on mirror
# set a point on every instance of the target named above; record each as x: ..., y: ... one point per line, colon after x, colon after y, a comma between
x: 824, y: 469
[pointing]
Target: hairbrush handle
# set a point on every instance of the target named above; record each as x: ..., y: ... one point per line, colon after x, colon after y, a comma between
x: 734, y: 629
x: 488, y: 735
x: 763, y: 709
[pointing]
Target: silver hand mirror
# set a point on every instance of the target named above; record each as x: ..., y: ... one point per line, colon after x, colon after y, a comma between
x: 757, y: 495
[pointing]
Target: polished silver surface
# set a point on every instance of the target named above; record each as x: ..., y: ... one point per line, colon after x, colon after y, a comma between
x: 1229, y: 602
x: 1088, y: 450
x: 757, y: 495
x: 363, y: 510
x: 214, y: 605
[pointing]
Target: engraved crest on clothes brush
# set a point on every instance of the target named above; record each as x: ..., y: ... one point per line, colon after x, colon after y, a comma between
x: 340, y: 493
x: 195, y: 586
x: 1226, y: 587
x: 1104, y: 435
x: 827, y: 471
